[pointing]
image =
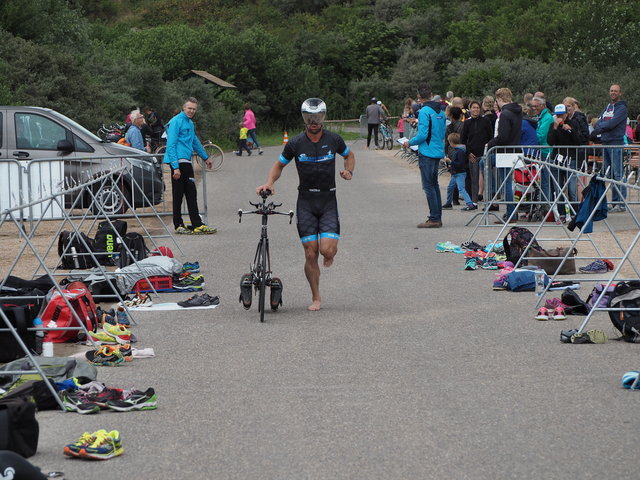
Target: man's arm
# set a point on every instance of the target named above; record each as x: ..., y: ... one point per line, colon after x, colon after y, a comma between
x: 197, y: 147
x: 349, y: 165
x: 274, y: 175
x: 171, y: 154
x: 619, y: 116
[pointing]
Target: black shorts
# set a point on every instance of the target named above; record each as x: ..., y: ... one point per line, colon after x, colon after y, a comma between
x: 317, y: 216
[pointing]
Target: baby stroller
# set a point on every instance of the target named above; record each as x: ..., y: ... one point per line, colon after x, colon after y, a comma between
x: 528, y: 176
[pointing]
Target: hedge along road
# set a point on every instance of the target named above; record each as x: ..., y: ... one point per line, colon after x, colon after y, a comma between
x: 413, y: 368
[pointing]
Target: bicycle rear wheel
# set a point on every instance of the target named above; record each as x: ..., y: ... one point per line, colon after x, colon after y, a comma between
x: 389, y: 143
x: 216, y: 155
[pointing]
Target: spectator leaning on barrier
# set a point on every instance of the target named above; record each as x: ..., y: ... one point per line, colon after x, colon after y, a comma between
x: 430, y: 141
x: 545, y: 120
x: 509, y: 130
x: 610, y: 130
x: 476, y: 132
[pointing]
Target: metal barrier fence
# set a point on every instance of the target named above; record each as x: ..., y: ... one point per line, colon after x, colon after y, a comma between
x: 143, y: 185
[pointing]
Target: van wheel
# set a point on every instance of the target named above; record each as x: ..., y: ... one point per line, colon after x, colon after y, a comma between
x: 111, y: 198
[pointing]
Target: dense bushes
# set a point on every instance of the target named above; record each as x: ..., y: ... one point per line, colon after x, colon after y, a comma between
x: 94, y: 59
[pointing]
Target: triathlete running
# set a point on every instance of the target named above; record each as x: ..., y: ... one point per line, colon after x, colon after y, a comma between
x: 314, y: 151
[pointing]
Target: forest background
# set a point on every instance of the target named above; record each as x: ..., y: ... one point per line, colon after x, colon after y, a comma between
x: 92, y: 60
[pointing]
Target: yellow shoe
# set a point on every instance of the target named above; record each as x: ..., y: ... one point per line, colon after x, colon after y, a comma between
x: 204, y: 229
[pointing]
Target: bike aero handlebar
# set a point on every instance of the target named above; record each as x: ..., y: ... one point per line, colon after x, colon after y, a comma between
x: 264, y: 209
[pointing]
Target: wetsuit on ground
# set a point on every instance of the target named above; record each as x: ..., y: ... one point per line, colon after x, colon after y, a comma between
x: 317, y: 207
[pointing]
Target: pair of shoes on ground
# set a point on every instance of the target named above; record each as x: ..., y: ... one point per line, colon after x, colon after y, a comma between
x: 99, y: 445
x: 471, y: 246
x: 110, y: 355
x: 191, y: 267
x: 430, y: 224
x: 201, y: 230
x: 139, y: 300
x: 597, y: 266
x: 203, y: 300
x: 109, y: 399
x: 444, y: 247
x: 556, y: 313
x: 189, y: 282
x: 590, y: 336
x: 111, y: 334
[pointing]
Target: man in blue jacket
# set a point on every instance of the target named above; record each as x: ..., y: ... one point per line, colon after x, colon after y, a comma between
x: 181, y: 143
x: 430, y: 141
x: 610, y: 130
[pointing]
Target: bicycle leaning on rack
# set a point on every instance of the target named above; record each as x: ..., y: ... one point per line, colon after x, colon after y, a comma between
x: 260, y: 276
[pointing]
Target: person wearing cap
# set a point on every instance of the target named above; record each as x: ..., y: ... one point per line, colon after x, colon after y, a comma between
x: 375, y: 114
x: 564, y: 132
x: 314, y: 152
x: 384, y: 108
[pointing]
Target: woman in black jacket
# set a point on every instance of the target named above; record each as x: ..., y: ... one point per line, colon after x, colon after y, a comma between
x: 476, y: 132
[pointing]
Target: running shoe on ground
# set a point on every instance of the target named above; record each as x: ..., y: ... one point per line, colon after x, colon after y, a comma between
x: 119, y: 332
x: 136, y: 400
x: 106, y: 356
x: 631, y: 380
x: 204, y: 230
x: 276, y: 293
x: 565, y: 335
x: 499, y: 285
x: 122, y: 317
x: 182, y: 230
x: 203, y: 300
x: 489, y: 264
x: 447, y: 206
x: 471, y: 264
x: 105, y: 395
x: 102, y: 338
x: 190, y: 282
x: 78, y: 402
x: 106, y: 445
x: 543, y: 314
x: 564, y: 285
x: 468, y: 208
x: 559, y: 314
x: 246, y: 285
x: 590, y: 336
x: 471, y: 246
x: 73, y: 449
x: 191, y: 267
x: 597, y: 266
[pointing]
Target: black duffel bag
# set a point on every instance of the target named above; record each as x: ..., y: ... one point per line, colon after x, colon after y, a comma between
x: 19, y: 429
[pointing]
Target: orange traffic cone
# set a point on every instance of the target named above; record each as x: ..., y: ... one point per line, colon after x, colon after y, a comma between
x: 285, y: 140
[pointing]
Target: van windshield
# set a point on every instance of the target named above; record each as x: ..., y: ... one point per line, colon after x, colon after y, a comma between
x: 76, y: 125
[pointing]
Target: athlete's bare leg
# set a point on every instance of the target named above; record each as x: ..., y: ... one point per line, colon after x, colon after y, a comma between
x: 328, y: 250
x: 312, y: 272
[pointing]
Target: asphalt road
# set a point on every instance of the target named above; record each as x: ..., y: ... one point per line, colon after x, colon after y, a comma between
x: 413, y: 369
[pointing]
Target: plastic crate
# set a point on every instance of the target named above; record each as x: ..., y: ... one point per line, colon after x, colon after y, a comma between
x: 159, y: 283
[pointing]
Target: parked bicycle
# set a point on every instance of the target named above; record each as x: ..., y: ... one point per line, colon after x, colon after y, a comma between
x: 216, y: 155
x: 386, y: 135
x: 260, y: 276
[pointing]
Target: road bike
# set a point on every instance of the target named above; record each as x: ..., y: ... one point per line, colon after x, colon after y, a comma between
x: 216, y: 155
x: 260, y: 277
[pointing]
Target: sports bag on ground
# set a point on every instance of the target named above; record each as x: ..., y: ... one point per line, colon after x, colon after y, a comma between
x: 107, y: 242
x: 21, y: 313
x: 135, y: 243
x: 72, y: 251
x: 19, y: 429
x: 626, y: 295
x: 57, y: 313
x: 516, y: 241
x: 553, y: 258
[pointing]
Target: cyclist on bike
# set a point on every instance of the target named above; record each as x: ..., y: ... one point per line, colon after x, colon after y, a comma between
x: 314, y: 151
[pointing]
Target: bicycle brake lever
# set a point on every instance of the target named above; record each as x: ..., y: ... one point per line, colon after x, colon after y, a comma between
x: 240, y: 215
x: 290, y: 216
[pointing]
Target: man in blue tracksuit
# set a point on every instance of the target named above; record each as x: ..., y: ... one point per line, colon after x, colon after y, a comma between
x: 610, y: 130
x: 181, y: 143
x: 430, y: 141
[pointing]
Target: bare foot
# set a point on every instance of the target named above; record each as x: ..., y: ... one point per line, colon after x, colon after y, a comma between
x: 315, y: 306
x: 327, y: 262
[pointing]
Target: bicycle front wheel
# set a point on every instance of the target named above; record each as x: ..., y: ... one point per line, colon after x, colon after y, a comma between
x: 262, y: 280
x: 216, y: 155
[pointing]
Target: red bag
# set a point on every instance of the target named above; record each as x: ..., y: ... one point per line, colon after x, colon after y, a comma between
x: 58, y: 312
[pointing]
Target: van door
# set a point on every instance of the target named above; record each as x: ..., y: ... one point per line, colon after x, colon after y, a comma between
x: 33, y: 141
